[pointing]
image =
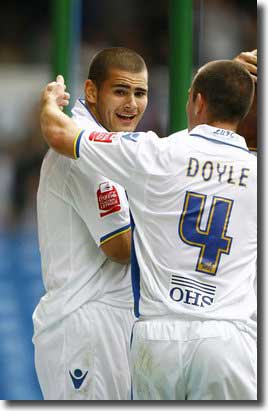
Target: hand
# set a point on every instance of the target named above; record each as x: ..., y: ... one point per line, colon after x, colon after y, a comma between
x: 249, y: 60
x: 55, y: 91
x: 58, y: 129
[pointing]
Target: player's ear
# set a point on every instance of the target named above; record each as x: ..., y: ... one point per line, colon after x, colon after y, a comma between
x: 90, y: 91
x: 198, y: 104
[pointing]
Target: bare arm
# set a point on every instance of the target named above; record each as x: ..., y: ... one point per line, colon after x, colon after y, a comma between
x: 59, y: 130
x: 118, y: 248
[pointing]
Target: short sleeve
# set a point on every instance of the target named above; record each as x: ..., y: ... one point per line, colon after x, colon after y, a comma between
x: 111, y: 211
x: 100, y: 202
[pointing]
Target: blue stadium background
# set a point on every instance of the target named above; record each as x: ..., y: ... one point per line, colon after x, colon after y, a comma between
x: 20, y: 290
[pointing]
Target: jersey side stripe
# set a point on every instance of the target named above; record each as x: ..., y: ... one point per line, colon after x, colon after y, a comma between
x: 135, y: 271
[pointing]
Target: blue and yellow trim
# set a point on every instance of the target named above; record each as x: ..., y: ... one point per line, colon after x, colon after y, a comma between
x: 114, y: 234
x: 77, y: 143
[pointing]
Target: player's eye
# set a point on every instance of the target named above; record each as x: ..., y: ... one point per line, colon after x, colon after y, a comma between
x: 120, y: 92
x: 140, y: 94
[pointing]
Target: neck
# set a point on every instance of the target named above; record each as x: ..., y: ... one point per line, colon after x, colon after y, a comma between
x: 218, y: 124
x: 225, y: 125
x: 93, y: 111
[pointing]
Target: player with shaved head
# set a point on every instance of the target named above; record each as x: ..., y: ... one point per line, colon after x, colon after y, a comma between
x: 82, y: 325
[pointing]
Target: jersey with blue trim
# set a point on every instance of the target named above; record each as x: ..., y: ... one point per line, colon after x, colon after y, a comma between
x: 193, y: 199
x: 77, y: 213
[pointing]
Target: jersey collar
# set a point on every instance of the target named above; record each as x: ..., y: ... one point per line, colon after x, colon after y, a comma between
x: 80, y: 109
x: 219, y: 135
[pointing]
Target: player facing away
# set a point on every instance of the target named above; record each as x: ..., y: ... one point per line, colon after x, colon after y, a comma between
x: 82, y: 325
x: 193, y: 202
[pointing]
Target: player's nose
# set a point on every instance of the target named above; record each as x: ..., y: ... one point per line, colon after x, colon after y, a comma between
x: 131, y: 102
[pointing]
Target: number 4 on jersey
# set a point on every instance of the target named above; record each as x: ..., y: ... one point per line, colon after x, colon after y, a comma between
x: 213, y: 240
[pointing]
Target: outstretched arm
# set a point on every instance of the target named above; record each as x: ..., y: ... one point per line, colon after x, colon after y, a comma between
x: 59, y: 130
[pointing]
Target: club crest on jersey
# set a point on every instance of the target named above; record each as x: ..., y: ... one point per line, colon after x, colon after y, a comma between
x: 101, y: 137
x: 187, y: 291
x: 108, y: 199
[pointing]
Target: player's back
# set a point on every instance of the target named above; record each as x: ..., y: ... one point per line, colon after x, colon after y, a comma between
x: 195, y: 238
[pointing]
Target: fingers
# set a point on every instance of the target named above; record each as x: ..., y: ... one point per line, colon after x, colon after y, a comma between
x: 51, y: 86
x: 60, y: 79
x: 56, y: 91
x: 59, y: 82
x: 249, y: 60
x: 254, y: 78
x: 250, y: 57
x: 65, y: 100
x: 251, y: 68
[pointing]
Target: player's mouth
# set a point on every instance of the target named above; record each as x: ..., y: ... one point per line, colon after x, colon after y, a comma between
x: 126, y: 119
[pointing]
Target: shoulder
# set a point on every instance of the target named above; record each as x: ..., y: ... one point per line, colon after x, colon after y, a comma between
x: 55, y: 165
x: 87, y: 123
x: 182, y: 133
x: 59, y: 172
x: 148, y: 143
x: 140, y: 137
x: 130, y: 141
x: 251, y: 156
x: 83, y: 117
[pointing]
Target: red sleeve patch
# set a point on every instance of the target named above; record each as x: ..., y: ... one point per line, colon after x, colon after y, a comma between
x: 108, y: 199
x: 101, y: 137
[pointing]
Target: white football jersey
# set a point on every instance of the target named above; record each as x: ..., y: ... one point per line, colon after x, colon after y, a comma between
x: 76, y: 214
x: 193, y: 199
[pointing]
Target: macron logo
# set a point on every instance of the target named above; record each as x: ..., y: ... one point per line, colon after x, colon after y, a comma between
x: 77, y: 378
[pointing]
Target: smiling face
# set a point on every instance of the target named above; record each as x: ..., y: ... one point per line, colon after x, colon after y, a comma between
x: 119, y: 103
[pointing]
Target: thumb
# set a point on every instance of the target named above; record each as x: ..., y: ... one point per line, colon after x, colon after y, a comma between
x: 60, y: 79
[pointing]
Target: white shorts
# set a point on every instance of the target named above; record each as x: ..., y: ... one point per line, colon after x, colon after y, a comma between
x: 193, y: 360
x: 86, y: 356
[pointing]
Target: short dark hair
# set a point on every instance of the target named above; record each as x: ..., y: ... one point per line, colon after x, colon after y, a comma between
x: 227, y: 88
x: 114, y: 57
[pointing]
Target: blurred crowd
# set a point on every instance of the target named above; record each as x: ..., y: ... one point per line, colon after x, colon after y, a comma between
x: 222, y: 29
